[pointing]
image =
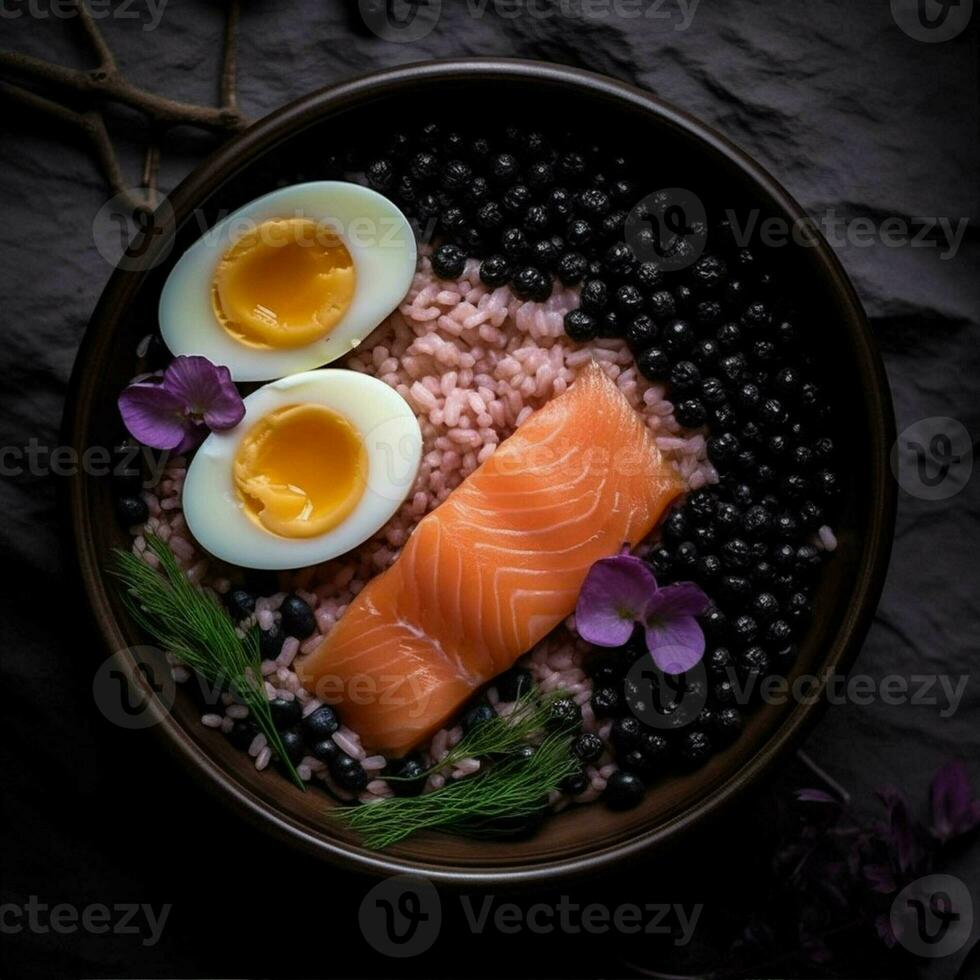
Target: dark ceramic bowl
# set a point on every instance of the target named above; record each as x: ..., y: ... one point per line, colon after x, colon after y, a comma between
x: 682, y: 152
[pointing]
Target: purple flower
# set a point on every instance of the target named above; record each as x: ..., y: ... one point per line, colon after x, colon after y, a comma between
x: 621, y: 591
x: 613, y: 598
x: 674, y: 638
x: 899, y: 833
x: 176, y: 411
x: 954, y: 810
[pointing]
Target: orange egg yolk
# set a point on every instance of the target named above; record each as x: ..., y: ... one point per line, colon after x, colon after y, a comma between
x: 301, y: 470
x: 284, y: 284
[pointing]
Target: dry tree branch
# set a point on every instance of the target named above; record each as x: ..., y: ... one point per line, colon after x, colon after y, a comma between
x: 151, y: 168
x: 110, y: 85
x: 106, y: 155
x: 31, y: 100
x: 107, y: 60
x: 91, y: 125
x: 106, y: 83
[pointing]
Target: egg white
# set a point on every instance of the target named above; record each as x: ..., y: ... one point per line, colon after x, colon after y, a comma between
x: 216, y: 515
x: 377, y: 235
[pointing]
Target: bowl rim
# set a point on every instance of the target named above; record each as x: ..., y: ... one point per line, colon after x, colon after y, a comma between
x: 292, y: 118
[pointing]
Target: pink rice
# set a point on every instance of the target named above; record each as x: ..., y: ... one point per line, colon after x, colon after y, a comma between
x: 473, y: 363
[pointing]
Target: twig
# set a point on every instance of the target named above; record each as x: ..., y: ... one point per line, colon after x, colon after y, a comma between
x: 106, y: 154
x: 151, y: 169
x: 109, y: 85
x: 90, y: 124
x: 31, y: 100
x: 107, y: 60
x: 106, y: 83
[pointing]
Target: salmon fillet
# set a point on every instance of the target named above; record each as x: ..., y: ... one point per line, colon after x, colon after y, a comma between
x: 495, y: 567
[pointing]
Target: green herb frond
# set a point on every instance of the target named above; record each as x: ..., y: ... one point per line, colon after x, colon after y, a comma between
x: 508, y: 789
x: 502, y: 734
x: 190, y: 624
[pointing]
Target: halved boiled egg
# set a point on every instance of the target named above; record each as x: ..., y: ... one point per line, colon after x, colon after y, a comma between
x: 321, y: 461
x: 290, y: 281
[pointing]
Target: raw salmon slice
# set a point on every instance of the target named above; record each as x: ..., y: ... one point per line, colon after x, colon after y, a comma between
x: 495, y: 567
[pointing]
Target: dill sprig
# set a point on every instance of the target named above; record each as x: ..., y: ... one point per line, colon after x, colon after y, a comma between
x: 499, y: 735
x: 190, y: 624
x: 513, y: 788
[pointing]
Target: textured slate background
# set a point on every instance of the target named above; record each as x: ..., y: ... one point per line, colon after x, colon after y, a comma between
x: 846, y: 109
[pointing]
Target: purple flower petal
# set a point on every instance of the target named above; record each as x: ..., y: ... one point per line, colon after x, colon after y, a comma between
x: 900, y: 834
x: 206, y: 391
x: 153, y: 415
x: 880, y: 878
x: 676, y: 645
x: 621, y: 591
x: 954, y: 810
x: 613, y: 597
x: 194, y: 434
x: 176, y: 413
x: 680, y: 599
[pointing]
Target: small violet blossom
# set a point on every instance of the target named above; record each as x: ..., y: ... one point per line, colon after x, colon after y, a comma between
x: 954, y: 809
x: 621, y: 591
x: 176, y: 411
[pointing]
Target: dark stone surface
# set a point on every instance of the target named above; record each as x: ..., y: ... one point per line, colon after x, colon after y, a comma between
x: 853, y: 115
